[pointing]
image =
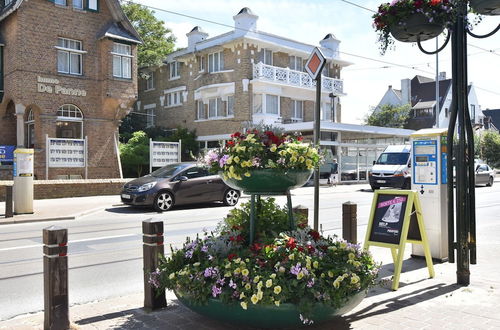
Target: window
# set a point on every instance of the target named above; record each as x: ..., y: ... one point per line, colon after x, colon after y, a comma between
x: 60, y: 2
x: 69, y: 56
x: 174, y: 99
x: 473, y: 113
x: 266, y: 104
x: 230, y: 105
x: 326, y: 70
x: 201, y: 61
x: 69, y: 122
x: 78, y: 4
x: 215, y: 108
x: 200, y: 110
x: 326, y: 111
x: 296, y: 63
x: 424, y: 112
x: 7, y: 2
x: 150, y: 81
x: 216, y: 62
x: 267, y: 56
x: 122, y: 60
x: 150, y: 118
x: 195, y: 172
x: 297, y: 110
x: 174, y: 70
x: 30, y: 125
x: 92, y: 5
x: 446, y: 112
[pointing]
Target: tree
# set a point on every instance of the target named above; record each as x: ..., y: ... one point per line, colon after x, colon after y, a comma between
x: 490, y: 148
x: 389, y: 116
x: 189, y: 145
x: 158, y: 41
x: 135, y: 154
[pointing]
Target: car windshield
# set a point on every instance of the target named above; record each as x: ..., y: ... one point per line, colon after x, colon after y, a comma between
x: 393, y: 158
x: 168, y: 171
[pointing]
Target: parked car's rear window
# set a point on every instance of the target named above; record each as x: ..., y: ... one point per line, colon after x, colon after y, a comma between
x: 168, y: 171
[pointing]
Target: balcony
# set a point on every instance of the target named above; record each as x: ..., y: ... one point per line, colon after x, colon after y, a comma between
x: 285, y: 76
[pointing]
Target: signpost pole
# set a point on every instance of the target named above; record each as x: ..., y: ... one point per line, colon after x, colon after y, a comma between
x: 150, y: 155
x: 317, y: 128
x: 86, y: 157
x: 46, y: 156
x: 179, y: 153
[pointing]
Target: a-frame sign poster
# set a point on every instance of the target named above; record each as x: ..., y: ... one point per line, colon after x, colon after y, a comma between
x: 396, y: 219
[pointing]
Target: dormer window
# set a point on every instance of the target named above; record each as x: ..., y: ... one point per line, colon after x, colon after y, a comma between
x: 175, y: 70
x: 122, y: 60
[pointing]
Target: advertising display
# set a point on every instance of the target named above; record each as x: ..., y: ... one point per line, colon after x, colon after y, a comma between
x: 23, y: 180
x: 7, y: 154
x: 66, y: 152
x: 163, y: 153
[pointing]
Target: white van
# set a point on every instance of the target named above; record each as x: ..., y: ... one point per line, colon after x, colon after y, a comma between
x: 392, y: 168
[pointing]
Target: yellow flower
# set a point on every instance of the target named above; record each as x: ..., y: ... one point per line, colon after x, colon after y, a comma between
x: 273, y: 148
x: 259, y: 285
x: 269, y: 283
x: 343, y: 245
x: 254, y: 299
x: 260, y: 295
x: 309, y: 162
x: 323, y: 275
x: 227, y: 274
x: 316, y: 264
x: 228, y: 265
x: 354, y: 279
x: 291, y: 256
x: 237, y: 261
x: 247, y: 174
x: 171, y: 276
x: 330, y: 273
x: 273, y: 276
x: 229, y: 160
x: 277, y: 289
x: 244, y: 305
x: 336, y: 284
x: 256, y: 279
x: 300, y: 275
x: 248, y: 286
x: 282, y: 152
x: 236, y: 159
x: 245, y: 272
x: 237, y: 271
x: 301, y: 159
x: 249, y: 137
x: 277, y: 303
x: 293, y: 159
x: 351, y: 256
x: 242, y: 295
x: 282, y: 269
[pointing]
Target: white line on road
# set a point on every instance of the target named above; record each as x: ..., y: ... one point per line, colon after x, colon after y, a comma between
x: 76, y: 241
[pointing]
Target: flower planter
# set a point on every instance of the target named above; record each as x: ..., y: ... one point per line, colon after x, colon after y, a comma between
x: 272, y: 181
x: 268, y: 316
x: 486, y: 7
x: 416, y: 27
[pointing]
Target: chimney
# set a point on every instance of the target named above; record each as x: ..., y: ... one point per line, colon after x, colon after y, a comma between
x: 245, y: 21
x: 390, y: 86
x: 442, y: 76
x: 195, y: 36
x: 406, y: 91
x: 331, y: 43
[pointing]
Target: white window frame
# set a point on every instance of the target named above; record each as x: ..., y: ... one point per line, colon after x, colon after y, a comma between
x: 92, y: 5
x: 150, y: 82
x: 294, y: 110
x: 263, y: 103
x: 201, y: 67
x: 219, y: 108
x: 174, y: 99
x: 264, y: 51
x: 216, y: 62
x: 200, y: 109
x: 76, y: 7
x: 174, y: 70
x: 296, y: 63
x: 326, y: 111
x: 230, y: 106
x: 70, y: 113
x: 30, y: 122
x: 69, y: 52
x: 150, y: 114
x: 122, y: 58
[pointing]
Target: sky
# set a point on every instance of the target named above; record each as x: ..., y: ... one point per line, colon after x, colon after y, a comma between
x: 366, y: 81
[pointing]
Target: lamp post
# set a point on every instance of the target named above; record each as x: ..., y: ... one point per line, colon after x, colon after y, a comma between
x: 462, y: 226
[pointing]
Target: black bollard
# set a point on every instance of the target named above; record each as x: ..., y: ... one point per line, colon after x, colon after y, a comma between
x: 9, y: 213
x: 152, y: 248
x: 349, y: 222
x: 55, y: 278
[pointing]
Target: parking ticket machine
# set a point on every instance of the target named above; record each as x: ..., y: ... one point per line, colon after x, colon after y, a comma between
x: 429, y: 179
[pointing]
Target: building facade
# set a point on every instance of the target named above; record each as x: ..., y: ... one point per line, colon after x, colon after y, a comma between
x: 69, y: 71
x: 246, y: 77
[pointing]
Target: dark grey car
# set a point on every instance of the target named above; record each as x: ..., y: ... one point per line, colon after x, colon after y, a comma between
x: 177, y: 184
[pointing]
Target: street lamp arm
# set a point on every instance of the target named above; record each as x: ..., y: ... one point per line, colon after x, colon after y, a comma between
x: 485, y: 35
x: 435, y: 51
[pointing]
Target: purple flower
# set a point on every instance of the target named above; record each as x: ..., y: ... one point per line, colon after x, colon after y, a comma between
x: 189, y: 254
x: 221, y: 281
x: 223, y: 160
x: 295, y: 269
x: 204, y: 248
x: 256, y: 161
x: 232, y: 285
x: 310, y: 283
x: 211, y: 272
x: 154, y: 278
x: 216, y: 291
x: 236, y: 294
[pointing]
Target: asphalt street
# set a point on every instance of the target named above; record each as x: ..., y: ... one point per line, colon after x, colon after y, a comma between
x: 105, y: 248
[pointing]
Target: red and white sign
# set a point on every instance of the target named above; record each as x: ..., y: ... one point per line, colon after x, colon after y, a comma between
x: 315, y: 63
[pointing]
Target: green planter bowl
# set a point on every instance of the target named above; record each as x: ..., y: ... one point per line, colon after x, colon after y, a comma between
x: 269, y: 316
x: 417, y: 26
x: 486, y: 7
x: 272, y: 181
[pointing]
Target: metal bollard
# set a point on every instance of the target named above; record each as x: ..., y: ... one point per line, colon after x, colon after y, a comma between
x: 55, y: 278
x: 349, y: 222
x: 9, y: 211
x: 152, y: 231
x: 301, y: 212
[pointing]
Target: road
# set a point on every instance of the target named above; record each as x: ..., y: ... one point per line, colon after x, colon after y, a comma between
x: 105, y: 248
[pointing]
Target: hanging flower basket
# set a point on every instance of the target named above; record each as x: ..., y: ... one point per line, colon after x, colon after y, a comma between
x: 416, y: 27
x: 269, y: 316
x: 486, y: 7
x: 269, y: 181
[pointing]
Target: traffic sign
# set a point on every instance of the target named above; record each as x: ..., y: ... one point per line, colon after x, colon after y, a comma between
x: 315, y: 63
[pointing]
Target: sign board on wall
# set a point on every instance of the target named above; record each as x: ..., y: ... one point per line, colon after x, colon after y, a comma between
x: 7, y: 153
x: 163, y: 153
x: 66, y: 152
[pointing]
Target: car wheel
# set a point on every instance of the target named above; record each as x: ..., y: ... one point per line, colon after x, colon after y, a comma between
x: 490, y: 182
x: 231, y: 197
x: 163, y: 201
x: 375, y: 188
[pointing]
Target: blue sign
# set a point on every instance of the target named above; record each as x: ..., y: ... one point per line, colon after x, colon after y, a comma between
x: 7, y: 153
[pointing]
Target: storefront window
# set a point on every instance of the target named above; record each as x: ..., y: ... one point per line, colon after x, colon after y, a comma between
x: 30, y: 129
x: 69, y: 123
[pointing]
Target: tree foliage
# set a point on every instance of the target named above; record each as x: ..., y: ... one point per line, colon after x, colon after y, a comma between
x: 135, y: 155
x: 389, y: 116
x: 490, y: 148
x: 158, y: 41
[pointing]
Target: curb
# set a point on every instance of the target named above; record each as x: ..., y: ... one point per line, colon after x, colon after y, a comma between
x: 66, y: 217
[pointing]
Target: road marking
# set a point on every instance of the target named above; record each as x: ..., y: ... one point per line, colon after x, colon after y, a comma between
x: 76, y: 241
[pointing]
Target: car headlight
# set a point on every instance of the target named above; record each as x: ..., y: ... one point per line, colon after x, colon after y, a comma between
x: 399, y: 173
x: 146, y: 186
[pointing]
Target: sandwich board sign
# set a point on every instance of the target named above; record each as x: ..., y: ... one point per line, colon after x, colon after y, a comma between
x: 396, y: 219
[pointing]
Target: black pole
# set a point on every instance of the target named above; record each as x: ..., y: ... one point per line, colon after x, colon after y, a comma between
x: 317, y: 133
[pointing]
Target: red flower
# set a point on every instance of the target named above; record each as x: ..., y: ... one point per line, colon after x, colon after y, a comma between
x: 230, y: 143
x: 256, y: 247
x: 239, y: 238
x: 314, y: 234
x: 300, y: 248
x: 311, y: 249
x: 231, y: 256
x: 302, y: 225
x: 232, y: 238
x: 291, y: 244
x: 418, y: 4
x: 300, y: 138
x: 435, y: 2
x: 237, y: 134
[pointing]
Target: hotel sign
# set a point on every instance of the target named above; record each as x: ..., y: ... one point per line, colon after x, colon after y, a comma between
x: 51, y: 86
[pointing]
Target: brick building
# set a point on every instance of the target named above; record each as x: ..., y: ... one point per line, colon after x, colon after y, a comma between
x: 69, y: 71
x: 217, y: 85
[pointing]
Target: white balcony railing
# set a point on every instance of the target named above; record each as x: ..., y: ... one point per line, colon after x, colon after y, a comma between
x: 289, y: 77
